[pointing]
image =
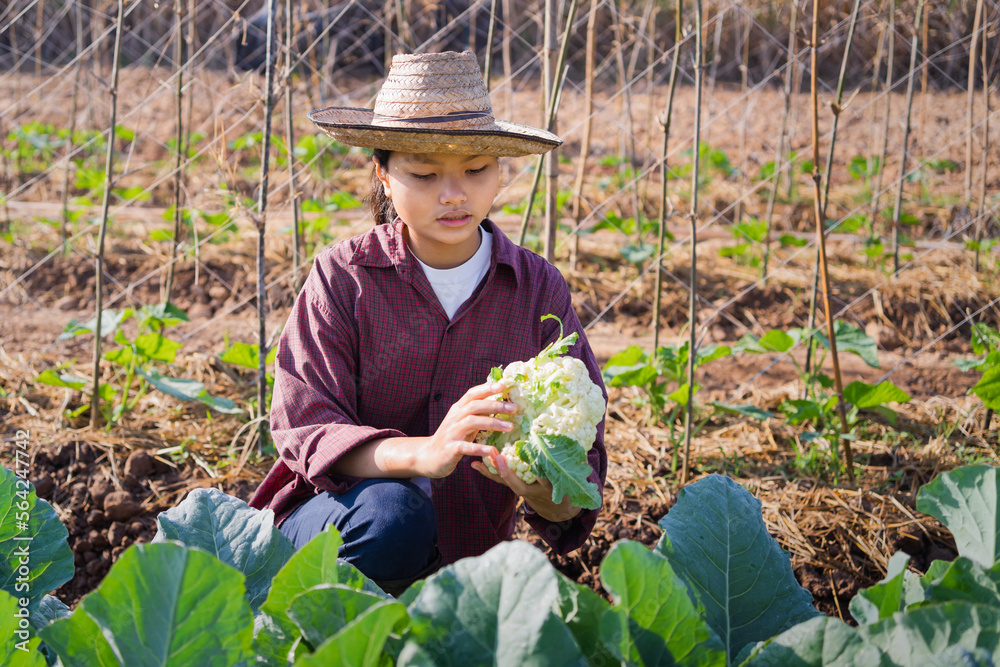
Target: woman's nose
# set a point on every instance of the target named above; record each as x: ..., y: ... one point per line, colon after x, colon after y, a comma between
x: 453, y: 192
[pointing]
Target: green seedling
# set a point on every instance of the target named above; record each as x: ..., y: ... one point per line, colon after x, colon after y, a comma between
x: 137, y: 360
x: 245, y: 355
x: 662, y: 380
x: 750, y: 236
x: 986, y: 344
x: 818, y: 406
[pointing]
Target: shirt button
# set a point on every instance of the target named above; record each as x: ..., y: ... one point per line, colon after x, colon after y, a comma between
x: 437, y: 396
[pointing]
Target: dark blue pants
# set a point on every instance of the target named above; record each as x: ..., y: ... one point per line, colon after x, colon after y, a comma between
x: 389, y: 529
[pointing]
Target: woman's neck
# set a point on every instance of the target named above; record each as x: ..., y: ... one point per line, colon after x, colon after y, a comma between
x: 442, y: 255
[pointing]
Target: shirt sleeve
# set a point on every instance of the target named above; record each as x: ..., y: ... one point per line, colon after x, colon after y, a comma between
x: 565, y: 536
x: 314, y: 415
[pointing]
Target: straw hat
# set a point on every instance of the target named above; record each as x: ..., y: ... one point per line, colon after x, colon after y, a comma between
x: 433, y: 103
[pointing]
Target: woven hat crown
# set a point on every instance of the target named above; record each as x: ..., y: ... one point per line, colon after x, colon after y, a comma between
x: 433, y: 103
x: 441, y: 90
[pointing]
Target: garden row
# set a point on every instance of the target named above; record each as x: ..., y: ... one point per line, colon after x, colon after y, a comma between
x: 220, y: 585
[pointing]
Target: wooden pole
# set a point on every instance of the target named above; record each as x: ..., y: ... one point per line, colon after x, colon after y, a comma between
x: 588, y: 112
x: 261, y: 223
x: 821, y: 243
x: 179, y: 54
x: 108, y: 182
x: 293, y: 194
x: 780, y: 157
x: 664, y: 201
x: 552, y: 157
x: 693, y: 276
x: 897, y: 209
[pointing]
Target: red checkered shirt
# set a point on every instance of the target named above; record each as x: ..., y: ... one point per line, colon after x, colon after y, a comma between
x: 368, y: 353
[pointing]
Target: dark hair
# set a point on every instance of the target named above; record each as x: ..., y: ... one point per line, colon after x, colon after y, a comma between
x: 380, y: 205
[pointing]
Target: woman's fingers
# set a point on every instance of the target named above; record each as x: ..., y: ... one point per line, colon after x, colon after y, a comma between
x: 473, y: 449
x: 490, y: 407
x: 482, y: 391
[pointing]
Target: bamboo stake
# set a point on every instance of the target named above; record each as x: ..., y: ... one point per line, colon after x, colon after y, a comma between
x: 553, y: 104
x: 984, y: 161
x: 693, y: 277
x: 293, y: 195
x: 821, y: 242
x: 551, y: 158
x: 780, y: 157
x: 629, y: 151
x: 74, y: 108
x: 877, y: 190
x: 488, y: 74
x: 667, y: 118
x: 744, y: 87
x: 39, y: 24
x: 971, y: 97
x: 508, y: 70
x: 829, y: 170
x: 108, y: 180
x: 588, y: 112
x: 261, y: 223
x: 897, y: 210
x: 179, y: 54
x: 925, y: 70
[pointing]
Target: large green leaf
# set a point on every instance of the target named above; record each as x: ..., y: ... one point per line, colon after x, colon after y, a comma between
x: 918, y: 637
x: 966, y: 580
x: 314, y: 564
x: 110, y: 321
x: 157, y: 346
x: 188, y: 390
x: 664, y: 624
x: 20, y: 646
x: 965, y: 500
x: 873, y: 395
x: 988, y: 388
x: 494, y: 609
x: 161, y: 604
x: 600, y: 630
x: 715, y: 539
x: 359, y: 643
x: 852, y: 339
x: 563, y: 462
x: 885, y: 598
x: 233, y: 532
x: 323, y: 610
x: 32, y: 538
x: 818, y: 642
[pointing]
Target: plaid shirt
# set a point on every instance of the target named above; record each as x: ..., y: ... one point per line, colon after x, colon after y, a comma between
x: 368, y: 353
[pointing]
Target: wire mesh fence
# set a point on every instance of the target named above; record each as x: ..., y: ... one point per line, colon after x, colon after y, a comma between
x: 189, y: 136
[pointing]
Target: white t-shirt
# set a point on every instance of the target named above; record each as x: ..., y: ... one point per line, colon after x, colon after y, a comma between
x: 452, y: 287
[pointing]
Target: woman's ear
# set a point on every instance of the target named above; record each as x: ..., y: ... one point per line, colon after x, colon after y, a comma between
x: 383, y: 175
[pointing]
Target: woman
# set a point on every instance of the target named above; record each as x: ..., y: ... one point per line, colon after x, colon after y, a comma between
x: 378, y: 391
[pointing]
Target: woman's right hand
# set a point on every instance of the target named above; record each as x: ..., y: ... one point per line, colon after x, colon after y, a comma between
x: 439, y: 454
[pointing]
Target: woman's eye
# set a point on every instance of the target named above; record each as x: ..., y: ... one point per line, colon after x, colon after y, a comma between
x: 423, y: 177
x: 478, y: 171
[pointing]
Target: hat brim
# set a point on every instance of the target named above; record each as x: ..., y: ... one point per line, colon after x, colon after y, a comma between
x: 352, y: 126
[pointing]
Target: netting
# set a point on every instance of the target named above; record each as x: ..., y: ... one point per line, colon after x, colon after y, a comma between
x: 55, y: 69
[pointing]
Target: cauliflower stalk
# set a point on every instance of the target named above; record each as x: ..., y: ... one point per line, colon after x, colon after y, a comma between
x: 555, y: 425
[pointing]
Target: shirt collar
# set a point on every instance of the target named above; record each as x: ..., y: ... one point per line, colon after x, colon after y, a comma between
x: 383, y: 246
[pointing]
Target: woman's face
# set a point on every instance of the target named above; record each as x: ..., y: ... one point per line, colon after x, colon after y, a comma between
x: 442, y: 198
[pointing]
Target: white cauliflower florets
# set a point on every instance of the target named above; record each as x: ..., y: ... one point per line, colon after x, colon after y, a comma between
x: 555, y: 397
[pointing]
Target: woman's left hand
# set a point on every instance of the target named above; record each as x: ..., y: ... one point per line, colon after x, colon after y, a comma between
x: 538, y: 494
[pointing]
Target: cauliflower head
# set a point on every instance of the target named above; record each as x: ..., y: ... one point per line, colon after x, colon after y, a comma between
x: 559, y: 408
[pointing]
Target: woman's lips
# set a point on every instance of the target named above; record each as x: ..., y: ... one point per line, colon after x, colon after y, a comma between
x: 455, y: 219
